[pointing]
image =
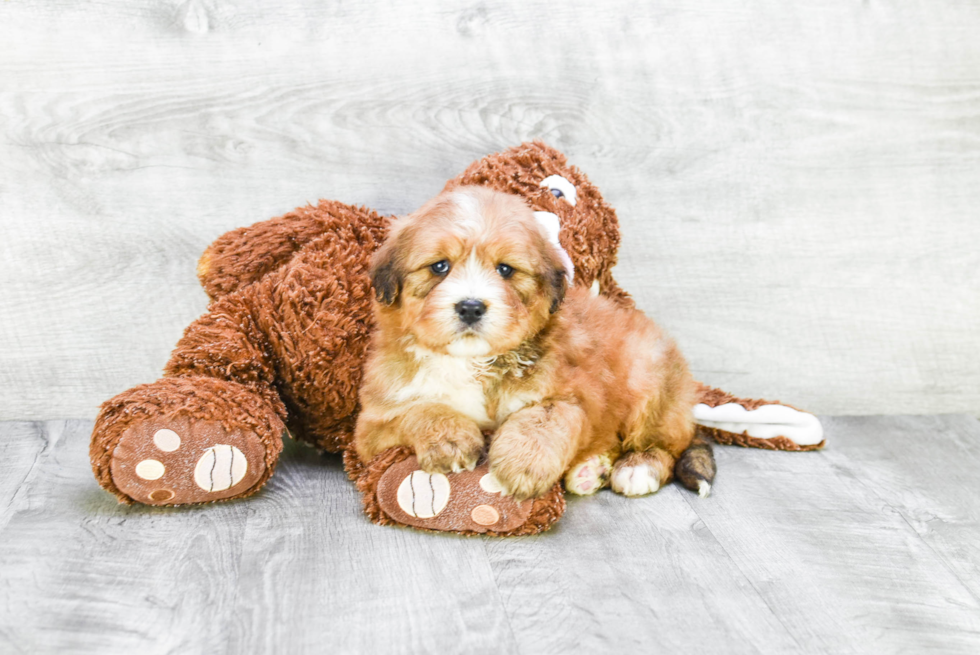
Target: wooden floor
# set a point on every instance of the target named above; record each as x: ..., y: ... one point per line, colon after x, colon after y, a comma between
x: 870, y: 546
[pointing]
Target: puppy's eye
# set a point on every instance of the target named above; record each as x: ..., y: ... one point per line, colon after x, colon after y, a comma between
x: 505, y: 270
x: 560, y: 188
x: 441, y: 267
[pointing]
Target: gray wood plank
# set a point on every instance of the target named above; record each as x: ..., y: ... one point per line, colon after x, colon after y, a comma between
x: 925, y: 470
x: 808, y: 553
x: 634, y: 575
x: 870, y: 546
x: 797, y: 181
x: 297, y: 568
x: 20, y: 450
x: 83, y: 574
x: 841, y: 567
x: 317, y: 576
x: 867, y: 547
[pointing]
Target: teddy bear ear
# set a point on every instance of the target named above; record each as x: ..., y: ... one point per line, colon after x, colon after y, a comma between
x: 387, y: 275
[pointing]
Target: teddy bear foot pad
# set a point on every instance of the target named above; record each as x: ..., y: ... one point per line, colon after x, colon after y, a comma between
x: 179, y: 461
x: 469, y: 501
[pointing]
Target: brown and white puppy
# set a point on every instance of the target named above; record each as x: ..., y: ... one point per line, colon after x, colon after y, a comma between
x: 478, y: 331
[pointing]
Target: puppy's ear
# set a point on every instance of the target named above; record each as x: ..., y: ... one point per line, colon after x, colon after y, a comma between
x: 559, y: 286
x: 560, y: 269
x: 387, y: 274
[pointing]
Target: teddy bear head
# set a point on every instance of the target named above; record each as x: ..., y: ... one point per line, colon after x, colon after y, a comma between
x: 564, y: 198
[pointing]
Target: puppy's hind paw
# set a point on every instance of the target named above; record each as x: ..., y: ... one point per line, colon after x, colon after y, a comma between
x: 589, y: 476
x: 636, y: 480
x: 639, y: 474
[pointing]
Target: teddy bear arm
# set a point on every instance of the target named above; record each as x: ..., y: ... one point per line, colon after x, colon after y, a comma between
x: 246, y: 254
x: 242, y: 256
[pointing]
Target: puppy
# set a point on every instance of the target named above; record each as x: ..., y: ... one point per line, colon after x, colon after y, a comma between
x: 477, y: 331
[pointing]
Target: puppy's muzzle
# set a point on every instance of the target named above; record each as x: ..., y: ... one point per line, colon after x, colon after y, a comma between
x: 471, y: 310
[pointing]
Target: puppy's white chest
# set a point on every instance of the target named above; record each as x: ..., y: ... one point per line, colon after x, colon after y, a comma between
x: 454, y: 381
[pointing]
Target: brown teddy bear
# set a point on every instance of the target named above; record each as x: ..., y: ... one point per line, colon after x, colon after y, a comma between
x: 283, y: 343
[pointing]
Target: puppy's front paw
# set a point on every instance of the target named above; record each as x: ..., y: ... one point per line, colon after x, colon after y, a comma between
x: 522, y: 478
x: 534, y: 446
x: 451, y: 454
x: 522, y: 483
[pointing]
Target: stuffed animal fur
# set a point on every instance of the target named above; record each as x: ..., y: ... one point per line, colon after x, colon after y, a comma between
x: 281, y: 349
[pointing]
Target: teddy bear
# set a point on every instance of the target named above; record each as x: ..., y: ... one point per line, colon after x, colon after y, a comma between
x: 281, y: 348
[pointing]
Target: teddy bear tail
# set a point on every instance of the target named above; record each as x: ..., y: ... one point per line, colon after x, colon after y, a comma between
x: 754, y: 423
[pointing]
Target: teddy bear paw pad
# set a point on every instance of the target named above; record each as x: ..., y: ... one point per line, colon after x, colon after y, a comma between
x: 468, y: 501
x: 423, y: 495
x: 179, y: 461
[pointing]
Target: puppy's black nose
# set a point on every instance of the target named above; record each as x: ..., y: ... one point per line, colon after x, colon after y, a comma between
x: 471, y: 310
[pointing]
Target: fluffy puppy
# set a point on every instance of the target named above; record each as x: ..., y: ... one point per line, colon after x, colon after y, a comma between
x: 478, y: 332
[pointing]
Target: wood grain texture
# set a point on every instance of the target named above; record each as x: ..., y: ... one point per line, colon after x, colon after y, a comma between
x: 20, y: 451
x: 643, y: 576
x: 84, y: 574
x: 311, y: 559
x: 797, y: 184
x: 935, y: 494
x: 829, y: 552
x: 867, y: 547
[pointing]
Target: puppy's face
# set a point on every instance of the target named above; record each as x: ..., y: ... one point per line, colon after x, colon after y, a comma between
x: 552, y: 187
x: 470, y: 274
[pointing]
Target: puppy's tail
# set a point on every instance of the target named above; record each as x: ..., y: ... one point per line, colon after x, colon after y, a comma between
x: 695, y: 468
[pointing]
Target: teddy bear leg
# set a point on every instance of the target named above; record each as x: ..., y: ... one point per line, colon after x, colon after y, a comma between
x: 180, y: 441
x: 210, y: 430
x: 755, y: 423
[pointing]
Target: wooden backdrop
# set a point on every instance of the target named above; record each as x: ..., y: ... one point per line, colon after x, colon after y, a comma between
x: 799, y: 186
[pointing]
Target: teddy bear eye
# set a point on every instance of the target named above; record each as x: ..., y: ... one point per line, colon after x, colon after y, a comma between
x: 441, y: 267
x: 560, y: 188
x: 505, y: 270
